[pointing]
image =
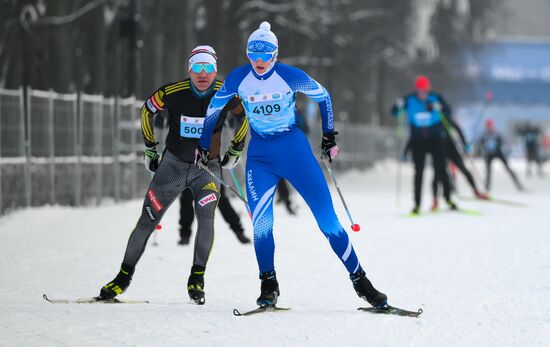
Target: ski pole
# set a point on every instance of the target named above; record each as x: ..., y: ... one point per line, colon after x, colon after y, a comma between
x: 222, y: 182
x: 238, y: 185
x: 399, y: 135
x: 354, y: 227
x: 479, y: 117
x: 447, y: 127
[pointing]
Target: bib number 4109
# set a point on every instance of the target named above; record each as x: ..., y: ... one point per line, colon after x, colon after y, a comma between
x: 267, y: 109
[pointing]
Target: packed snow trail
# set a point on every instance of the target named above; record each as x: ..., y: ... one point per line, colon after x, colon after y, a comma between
x: 480, y: 280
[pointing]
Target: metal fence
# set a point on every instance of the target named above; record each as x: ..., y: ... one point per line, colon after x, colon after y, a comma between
x: 79, y: 149
x: 68, y: 149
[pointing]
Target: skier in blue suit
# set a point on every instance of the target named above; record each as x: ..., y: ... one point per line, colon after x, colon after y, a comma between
x: 278, y: 149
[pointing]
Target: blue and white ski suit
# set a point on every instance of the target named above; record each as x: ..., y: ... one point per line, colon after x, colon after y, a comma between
x: 278, y: 149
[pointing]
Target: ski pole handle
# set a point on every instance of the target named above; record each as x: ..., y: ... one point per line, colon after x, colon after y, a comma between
x: 354, y: 227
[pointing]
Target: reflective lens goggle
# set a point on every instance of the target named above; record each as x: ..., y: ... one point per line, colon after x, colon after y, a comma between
x: 263, y: 56
x: 208, y: 68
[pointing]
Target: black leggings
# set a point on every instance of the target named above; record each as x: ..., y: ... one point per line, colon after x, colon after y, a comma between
x: 187, y: 213
x: 488, y: 159
x: 454, y: 156
x: 419, y: 150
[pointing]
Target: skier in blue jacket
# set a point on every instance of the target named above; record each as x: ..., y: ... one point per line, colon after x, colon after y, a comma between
x: 278, y: 149
x: 425, y: 112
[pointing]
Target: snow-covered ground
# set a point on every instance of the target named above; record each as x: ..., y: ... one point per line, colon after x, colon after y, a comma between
x: 481, y: 280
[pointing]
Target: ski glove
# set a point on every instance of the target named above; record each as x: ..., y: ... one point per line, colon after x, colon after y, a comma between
x: 201, y: 156
x: 231, y: 157
x: 435, y: 106
x: 329, y: 148
x: 151, y: 158
x: 399, y: 103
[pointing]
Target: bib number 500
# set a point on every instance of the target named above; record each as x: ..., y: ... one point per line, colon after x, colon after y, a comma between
x: 192, y: 130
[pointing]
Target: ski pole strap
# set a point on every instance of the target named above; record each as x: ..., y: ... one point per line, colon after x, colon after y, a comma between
x: 329, y: 169
x: 238, y: 185
x: 222, y: 182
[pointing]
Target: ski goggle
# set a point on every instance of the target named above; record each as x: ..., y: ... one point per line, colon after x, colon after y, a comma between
x: 197, y: 68
x: 263, y: 56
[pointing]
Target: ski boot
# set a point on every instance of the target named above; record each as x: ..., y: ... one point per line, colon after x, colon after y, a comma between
x: 184, y: 237
x: 364, y: 289
x: 239, y: 233
x: 452, y: 205
x: 195, y: 285
x: 269, y: 290
x: 289, y: 208
x: 119, y: 284
x: 481, y: 196
x: 242, y: 238
x: 415, y: 210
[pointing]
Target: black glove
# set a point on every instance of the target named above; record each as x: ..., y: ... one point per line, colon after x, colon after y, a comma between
x: 232, y: 156
x: 151, y: 157
x: 329, y: 148
x: 201, y: 156
x: 435, y: 106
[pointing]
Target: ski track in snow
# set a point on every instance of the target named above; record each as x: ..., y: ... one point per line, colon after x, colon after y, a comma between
x: 481, y: 280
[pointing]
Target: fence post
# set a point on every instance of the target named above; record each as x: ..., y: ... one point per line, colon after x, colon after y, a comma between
x: 1, y: 206
x: 51, y: 135
x: 99, y: 149
x: 78, y: 149
x: 133, y: 147
x: 115, y: 107
x: 27, y: 147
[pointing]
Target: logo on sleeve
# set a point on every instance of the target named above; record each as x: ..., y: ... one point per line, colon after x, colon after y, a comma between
x: 152, y: 108
x: 208, y: 199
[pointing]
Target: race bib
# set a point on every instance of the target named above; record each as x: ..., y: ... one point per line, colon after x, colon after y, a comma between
x: 422, y: 119
x: 269, y: 104
x: 491, y: 145
x: 191, y: 126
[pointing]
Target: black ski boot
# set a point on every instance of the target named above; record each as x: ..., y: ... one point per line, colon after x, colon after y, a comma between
x: 242, y: 237
x: 364, y: 289
x: 195, y: 285
x: 119, y: 284
x: 452, y: 205
x: 270, y: 289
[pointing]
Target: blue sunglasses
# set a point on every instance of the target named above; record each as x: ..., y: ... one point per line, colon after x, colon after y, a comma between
x: 208, y: 68
x: 263, y: 56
